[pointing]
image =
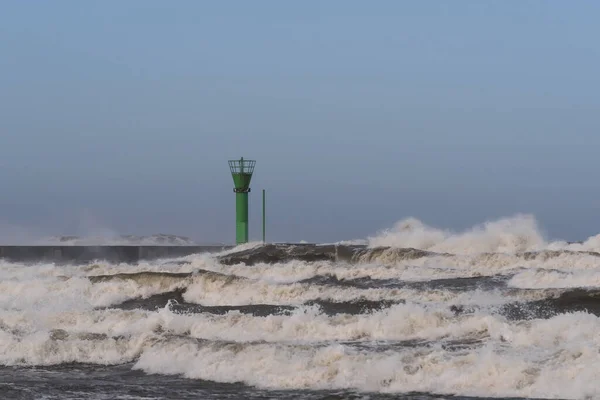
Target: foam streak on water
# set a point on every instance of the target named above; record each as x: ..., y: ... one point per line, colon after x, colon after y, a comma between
x: 496, y: 311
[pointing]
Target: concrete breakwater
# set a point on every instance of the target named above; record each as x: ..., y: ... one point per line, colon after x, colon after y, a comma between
x: 111, y: 253
x: 261, y: 254
x: 267, y: 253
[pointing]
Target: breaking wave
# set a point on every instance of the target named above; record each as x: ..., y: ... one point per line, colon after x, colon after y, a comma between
x: 520, y: 233
x: 494, y: 312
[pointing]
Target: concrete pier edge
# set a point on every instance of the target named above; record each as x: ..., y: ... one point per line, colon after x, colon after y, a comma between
x: 111, y: 253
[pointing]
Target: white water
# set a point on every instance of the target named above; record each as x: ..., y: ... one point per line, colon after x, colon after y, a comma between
x: 49, y: 315
x: 390, y: 267
x: 524, y: 367
x: 514, y: 234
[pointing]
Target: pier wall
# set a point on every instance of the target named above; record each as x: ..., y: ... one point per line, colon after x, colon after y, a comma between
x: 111, y: 253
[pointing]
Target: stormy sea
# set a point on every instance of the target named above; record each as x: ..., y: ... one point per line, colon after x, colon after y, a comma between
x: 413, y: 312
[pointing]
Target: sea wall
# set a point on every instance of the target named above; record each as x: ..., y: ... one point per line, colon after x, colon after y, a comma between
x: 111, y: 253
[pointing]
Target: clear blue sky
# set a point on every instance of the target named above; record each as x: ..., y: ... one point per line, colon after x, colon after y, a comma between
x: 358, y: 113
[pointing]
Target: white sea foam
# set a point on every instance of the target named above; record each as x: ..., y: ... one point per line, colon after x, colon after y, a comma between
x: 539, y: 278
x: 40, y: 348
x: 514, y: 234
x: 240, y: 247
x: 542, y: 360
x: 535, y: 358
x: 216, y: 291
x: 51, y: 314
x: 519, y: 233
x: 309, y: 324
x: 386, y: 266
x: 497, y: 263
x: 65, y: 293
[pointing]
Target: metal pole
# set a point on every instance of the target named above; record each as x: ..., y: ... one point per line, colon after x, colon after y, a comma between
x: 241, y: 216
x: 264, y: 215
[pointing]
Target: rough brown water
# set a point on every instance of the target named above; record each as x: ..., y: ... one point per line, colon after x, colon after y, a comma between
x: 304, y: 321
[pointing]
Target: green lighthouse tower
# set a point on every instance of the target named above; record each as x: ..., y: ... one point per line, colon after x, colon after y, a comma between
x: 241, y: 171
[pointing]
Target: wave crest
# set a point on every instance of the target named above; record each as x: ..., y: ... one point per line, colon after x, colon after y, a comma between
x: 515, y: 234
